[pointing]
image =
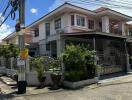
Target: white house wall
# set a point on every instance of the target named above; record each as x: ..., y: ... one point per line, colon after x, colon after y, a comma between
x: 42, y: 47
x: 42, y: 34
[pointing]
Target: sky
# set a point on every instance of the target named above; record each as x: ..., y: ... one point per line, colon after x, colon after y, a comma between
x: 38, y: 8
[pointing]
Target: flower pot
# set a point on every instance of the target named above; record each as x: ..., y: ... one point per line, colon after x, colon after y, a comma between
x: 56, y: 80
x: 15, y: 77
x: 42, y: 82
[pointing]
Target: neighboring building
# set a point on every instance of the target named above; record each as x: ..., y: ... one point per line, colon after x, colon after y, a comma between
x: 13, y: 38
x: 103, y: 29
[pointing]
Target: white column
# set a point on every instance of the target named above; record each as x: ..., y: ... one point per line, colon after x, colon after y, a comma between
x: 60, y: 46
x: 2, y: 61
x: 75, y: 20
x: 105, y: 24
x: 122, y: 28
x: 96, y: 25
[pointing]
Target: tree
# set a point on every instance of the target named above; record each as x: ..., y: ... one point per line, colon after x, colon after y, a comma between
x: 9, y: 51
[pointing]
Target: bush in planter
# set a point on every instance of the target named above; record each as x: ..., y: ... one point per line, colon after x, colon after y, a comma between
x: 79, y: 62
x: 74, y: 76
x: 37, y: 64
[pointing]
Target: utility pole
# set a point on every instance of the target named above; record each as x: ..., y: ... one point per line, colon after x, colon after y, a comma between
x: 21, y: 62
x: 22, y: 22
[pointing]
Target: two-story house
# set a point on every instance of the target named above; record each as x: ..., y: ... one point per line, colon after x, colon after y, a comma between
x: 102, y: 29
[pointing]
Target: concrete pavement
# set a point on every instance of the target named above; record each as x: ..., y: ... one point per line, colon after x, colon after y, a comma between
x: 112, y: 92
x: 118, y: 88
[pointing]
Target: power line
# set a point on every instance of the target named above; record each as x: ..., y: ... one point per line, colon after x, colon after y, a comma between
x: 101, y: 3
x: 6, y: 18
x: 3, y: 14
x: 120, y: 2
x: 116, y: 4
x: 14, y: 5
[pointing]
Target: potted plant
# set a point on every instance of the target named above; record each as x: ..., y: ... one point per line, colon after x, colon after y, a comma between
x: 37, y: 64
x: 55, y: 67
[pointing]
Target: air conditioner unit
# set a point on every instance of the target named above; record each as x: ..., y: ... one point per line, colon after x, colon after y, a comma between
x: 59, y: 31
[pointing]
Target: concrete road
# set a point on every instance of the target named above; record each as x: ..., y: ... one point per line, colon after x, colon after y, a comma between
x: 112, y: 92
x: 121, y: 90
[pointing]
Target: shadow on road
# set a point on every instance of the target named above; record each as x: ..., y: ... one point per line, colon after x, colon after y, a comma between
x: 5, y: 96
x: 107, y: 76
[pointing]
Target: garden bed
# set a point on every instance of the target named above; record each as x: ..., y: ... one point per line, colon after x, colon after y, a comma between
x: 78, y: 84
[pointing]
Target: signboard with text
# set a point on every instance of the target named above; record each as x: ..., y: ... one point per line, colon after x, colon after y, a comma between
x: 20, y: 62
x: 24, y: 53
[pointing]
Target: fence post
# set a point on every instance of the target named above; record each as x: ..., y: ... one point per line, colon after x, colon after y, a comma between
x: 12, y: 59
x: 28, y: 65
x: 3, y: 61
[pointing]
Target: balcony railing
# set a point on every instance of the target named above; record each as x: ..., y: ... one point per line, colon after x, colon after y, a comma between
x: 115, y: 31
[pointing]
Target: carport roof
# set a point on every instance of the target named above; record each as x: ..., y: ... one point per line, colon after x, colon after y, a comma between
x: 94, y: 33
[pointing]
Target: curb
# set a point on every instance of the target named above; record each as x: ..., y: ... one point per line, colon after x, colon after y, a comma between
x: 7, y: 83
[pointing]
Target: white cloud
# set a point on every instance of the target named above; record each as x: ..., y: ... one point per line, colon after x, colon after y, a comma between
x: 34, y: 10
x: 1, y: 18
x: 5, y: 30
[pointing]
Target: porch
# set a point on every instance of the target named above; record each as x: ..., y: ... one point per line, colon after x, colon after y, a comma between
x: 110, y: 49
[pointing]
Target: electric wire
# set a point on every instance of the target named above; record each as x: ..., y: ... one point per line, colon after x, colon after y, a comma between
x: 100, y: 3
x: 6, y: 18
x: 14, y: 5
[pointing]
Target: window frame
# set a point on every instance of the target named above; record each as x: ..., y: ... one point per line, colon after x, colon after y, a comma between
x: 91, y: 24
x: 72, y: 19
x: 80, y: 21
x: 57, y: 24
x: 47, y: 46
x: 36, y: 32
x: 47, y: 29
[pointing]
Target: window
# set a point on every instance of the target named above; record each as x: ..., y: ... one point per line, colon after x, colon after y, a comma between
x: 58, y: 23
x: 72, y: 19
x: 36, y: 32
x: 47, y: 29
x: 48, y: 47
x: 80, y: 20
x: 91, y: 24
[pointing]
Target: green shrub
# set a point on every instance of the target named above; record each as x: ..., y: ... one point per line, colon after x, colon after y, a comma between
x: 9, y: 51
x: 74, y: 76
x: 55, y: 66
x: 79, y: 62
